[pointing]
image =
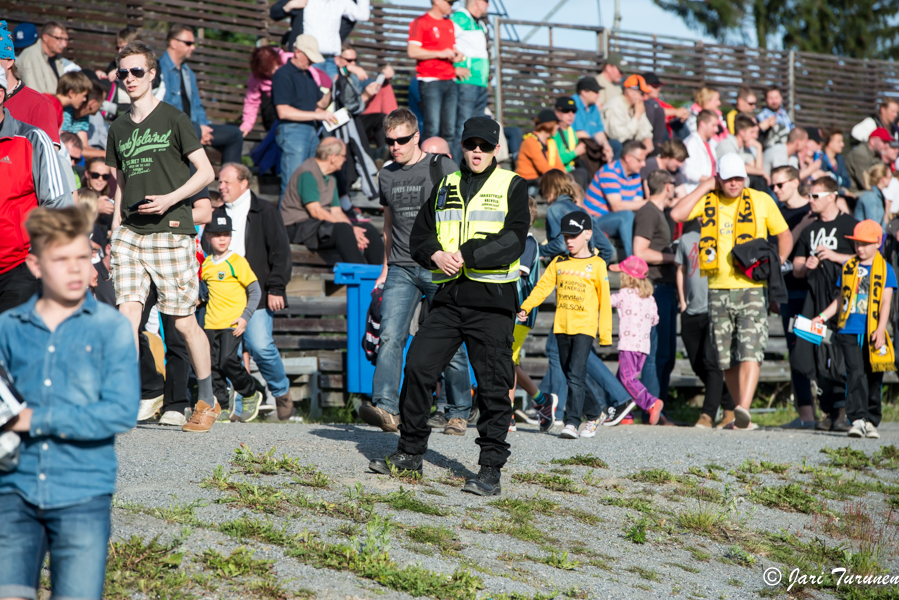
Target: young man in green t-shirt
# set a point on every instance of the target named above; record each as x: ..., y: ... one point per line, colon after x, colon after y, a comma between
x: 152, y: 147
x: 473, y: 71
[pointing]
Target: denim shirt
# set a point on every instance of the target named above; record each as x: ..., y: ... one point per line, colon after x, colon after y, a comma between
x: 870, y: 205
x: 83, y: 386
x: 555, y: 242
x: 171, y: 77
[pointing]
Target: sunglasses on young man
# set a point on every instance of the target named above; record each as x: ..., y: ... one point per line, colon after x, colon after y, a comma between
x: 818, y: 195
x: 474, y: 144
x: 138, y: 72
x: 402, y: 141
x: 95, y: 175
x: 777, y: 186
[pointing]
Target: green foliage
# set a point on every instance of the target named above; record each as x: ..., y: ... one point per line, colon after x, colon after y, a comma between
x: 582, y: 460
x: 791, y: 497
x: 740, y: 556
x: 442, y: 537
x: 150, y: 568
x: 657, y: 476
x: 636, y: 533
x: 556, y: 483
x: 558, y: 561
x: 239, y: 564
x: 640, y: 504
x: 647, y: 574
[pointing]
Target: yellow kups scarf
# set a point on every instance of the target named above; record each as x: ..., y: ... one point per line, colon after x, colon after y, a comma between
x: 744, y: 229
x: 882, y: 359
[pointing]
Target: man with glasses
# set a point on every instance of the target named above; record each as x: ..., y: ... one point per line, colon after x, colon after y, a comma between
x: 473, y: 71
x: 821, y: 251
x: 746, y: 103
x: 176, y: 84
x: 745, y: 144
x: 470, y: 234
x: 405, y: 186
x: 41, y: 65
x: 570, y: 147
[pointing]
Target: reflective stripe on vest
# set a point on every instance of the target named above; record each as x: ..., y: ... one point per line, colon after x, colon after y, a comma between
x: 484, y: 215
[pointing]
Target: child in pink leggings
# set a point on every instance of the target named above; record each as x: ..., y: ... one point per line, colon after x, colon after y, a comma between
x: 637, y: 313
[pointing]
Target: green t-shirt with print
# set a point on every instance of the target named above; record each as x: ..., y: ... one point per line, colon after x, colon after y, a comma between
x: 471, y: 40
x: 152, y: 155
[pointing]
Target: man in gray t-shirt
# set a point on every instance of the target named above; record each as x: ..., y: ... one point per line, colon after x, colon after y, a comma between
x: 693, y: 293
x: 405, y: 185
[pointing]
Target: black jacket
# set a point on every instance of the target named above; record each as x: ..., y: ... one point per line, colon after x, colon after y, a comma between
x: 763, y: 255
x: 267, y: 248
x: 491, y: 252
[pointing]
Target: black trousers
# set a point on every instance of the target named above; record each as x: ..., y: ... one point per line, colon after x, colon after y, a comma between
x: 343, y: 239
x: 488, y: 338
x: 177, y: 360
x: 227, y: 364
x: 573, y: 353
x: 863, y: 388
x: 16, y: 286
x: 696, y: 332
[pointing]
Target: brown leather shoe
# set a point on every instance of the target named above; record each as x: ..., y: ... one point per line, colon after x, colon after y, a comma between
x: 202, y: 418
x: 456, y: 426
x: 284, y: 406
x: 705, y: 422
x: 378, y: 417
x: 727, y: 417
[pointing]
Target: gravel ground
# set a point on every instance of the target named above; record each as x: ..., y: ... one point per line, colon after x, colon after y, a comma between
x: 161, y: 467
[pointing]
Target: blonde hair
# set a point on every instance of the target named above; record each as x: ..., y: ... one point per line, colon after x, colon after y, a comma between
x: 52, y: 226
x: 555, y: 183
x: 88, y: 200
x: 703, y: 95
x: 642, y: 286
x: 873, y: 175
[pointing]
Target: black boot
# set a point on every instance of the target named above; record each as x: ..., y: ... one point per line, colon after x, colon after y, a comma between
x: 840, y: 422
x: 399, y: 460
x: 486, y: 483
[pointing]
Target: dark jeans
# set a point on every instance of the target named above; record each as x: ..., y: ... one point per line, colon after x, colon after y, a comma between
x: 177, y: 359
x: 697, y: 335
x: 801, y: 386
x: 663, y: 343
x: 863, y: 388
x: 343, y: 239
x: 76, y: 537
x: 16, y: 286
x: 472, y: 102
x: 574, y: 350
x: 438, y: 106
x: 227, y: 139
x: 487, y: 335
x: 227, y: 363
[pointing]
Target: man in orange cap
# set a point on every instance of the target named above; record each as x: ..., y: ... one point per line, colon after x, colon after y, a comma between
x: 625, y: 116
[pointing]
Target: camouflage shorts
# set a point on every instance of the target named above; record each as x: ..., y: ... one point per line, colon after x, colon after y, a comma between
x: 739, y: 320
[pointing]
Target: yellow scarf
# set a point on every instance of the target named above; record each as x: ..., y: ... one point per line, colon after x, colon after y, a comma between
x: 744, y: 227
x: 882, y: 359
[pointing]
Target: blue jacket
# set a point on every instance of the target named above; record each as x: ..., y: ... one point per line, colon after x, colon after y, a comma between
x: 171, y: 79
x: 870, y: 206
x: 839, y: 170
x: 83, y: 384
x: 555, y: 242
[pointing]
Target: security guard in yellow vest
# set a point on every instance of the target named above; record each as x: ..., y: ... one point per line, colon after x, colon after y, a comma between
x: 470, y: 234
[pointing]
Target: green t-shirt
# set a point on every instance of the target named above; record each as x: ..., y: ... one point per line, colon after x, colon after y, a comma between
x: 307, y: 187
x: 472, y: 42
x: 152, y: 155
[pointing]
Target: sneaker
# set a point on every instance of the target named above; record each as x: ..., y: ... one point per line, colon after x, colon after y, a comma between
x: 512, y: 426
x: 546, y: 412
x: 841, y: 423
x: 527, y: 416
x: 628, y: 420
x: 798, y: 423
x: 569, y: 432
x: 871, y: 431
x: 399, y: 460
x: 617, y: 413
x: 223, y: 417
x: 825, y: 424
x: 704, y: 422
x: 588, y: 429
x: 858, y: 429
x: 474, y: 415
x: 251, y: 407
x: 202, y: 418
x: 149, y: 408
x: 742, y: 418
x: 456, y: 426
x: 727, y: 417
x: 284, y: 406
x: 173, y: 418
x: 486, y: 483
x: 655, y: 411
x: 732, y: 427
x: 438, y: 420
x: 378, y: 417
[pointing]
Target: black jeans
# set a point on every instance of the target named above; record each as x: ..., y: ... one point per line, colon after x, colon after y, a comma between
x: 227, y: 139
x: 697, y: 335
x: 16, y: 286
x: 227, y: 363
x: 573, y: 353
x: 177, y: 359
x: 863, y: 388
x: 488, y: 338
x: 343, y: 239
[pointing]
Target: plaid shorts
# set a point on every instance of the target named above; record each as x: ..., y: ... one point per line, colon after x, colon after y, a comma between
x: 167, y: 259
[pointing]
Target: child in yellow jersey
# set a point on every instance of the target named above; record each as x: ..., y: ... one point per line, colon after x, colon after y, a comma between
x: 582, y: 308
x: 234, y: 294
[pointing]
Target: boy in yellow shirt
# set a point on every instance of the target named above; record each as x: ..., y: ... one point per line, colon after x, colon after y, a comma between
x: 582, y: 301
x: 234, y: 295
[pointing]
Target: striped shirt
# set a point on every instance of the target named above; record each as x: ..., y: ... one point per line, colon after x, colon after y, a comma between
x: 611, y: 179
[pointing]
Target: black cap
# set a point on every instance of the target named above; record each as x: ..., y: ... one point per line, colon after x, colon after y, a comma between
x: 814, y: 134
x: 547, y: 116
x: 652, y: 79
x: 589, y: 84
x: 574, y: 223
x: 565, y: 103
x: 220, y: 224
x: 482, y: 127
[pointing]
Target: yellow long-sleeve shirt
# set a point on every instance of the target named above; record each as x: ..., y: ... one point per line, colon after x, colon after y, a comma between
x: 583, y: 304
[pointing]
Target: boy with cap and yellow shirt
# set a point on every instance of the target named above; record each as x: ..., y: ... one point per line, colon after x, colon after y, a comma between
x: 866, y: 292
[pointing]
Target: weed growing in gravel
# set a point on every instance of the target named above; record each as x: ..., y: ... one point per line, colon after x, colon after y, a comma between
x: 639, y: 504
x: 587, y: 518
x: 558, y: 561
x: 441, y: 537
x: 885, y: 458
x: 735, y: 583
x: 705, y: 518
x: 686, y: 568
x: 791, y: 497
x: 520, y: 511
x: 697, y: 553
x: 346, y: 530
x: 753, y: 467
x: 182, y: 514
x: 267, y: 464
x: 239, y: 564
x: 707, y: 474
x: 405, y: 500
x: 657, y: 476
x: 582, y: 460
x: 562, y: 471
x: 556, y: 483
x: 689, y: 489
x: 590, y: 480
x: 714, y: 467
x: 636, y: 533
x: 739, y: 556
x: 647, y: 574
x: 151, y: 567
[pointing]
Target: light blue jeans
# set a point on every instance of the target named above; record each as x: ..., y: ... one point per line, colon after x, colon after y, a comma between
x: 621, y: 225
x: 472, y: 102
x: 438, y: 106
x: 402, y: 292
x: 297, y: 142
x: 329, y: 66
x: 259, y: 342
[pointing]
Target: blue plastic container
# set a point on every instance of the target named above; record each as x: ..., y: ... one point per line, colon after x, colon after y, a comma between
x: 359, y: 281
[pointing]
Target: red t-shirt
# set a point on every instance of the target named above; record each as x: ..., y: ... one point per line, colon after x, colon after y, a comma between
x: 433, y: 34
x: 32, y: 107
x: 57, y: 106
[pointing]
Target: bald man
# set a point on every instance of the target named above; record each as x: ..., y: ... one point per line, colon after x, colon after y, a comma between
x: 311, y: 210
x: 436, y: 145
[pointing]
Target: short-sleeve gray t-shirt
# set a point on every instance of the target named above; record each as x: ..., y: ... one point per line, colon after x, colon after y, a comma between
x: 696, y: 287
x: 404, y: 188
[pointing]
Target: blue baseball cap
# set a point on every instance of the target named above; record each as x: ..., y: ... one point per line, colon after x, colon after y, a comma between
x: 24, y: 35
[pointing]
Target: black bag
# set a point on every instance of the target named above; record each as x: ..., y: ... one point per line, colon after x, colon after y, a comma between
x: 830, y: 364
x: 371, y: 341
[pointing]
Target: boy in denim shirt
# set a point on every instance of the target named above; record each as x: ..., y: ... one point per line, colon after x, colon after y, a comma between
x: 74, y: 361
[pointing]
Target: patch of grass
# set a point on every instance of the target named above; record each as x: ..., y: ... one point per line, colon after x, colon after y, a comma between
x: 705, y: 518
x: 740, y: 556
x: 346, y: 530
x: 558, y: 561
x: 556, y: 483
x: 433, y: 492
x: 657, y: 476
x: 636, y: 533
x: 520, y: 511
x: 590, y: 480
x: 405, y: 500
x: 149, y: 567
x: 735, y: 583
x: 777, y: 468
x: 582, y: 460
x: 791, y: 497
x: 714, y: 467
x: 686, y: 568
x: 587, y: 518
x: 647, y: 574
x: 700, y: 492
x: 698, y: 554
x: 640, y: 504
x: 562, y: 471
x: 181, y: 514
x: 441, y: 537
x: 240, y: 563
x: 847, y: 458
x: 707, y: 474
x: 266, y: 464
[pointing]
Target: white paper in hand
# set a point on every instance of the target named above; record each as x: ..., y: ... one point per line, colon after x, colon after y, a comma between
x: 342, y: 116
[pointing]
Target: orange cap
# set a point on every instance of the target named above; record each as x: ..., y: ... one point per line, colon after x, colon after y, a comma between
x: 867, y: 231
x: 637, y: 82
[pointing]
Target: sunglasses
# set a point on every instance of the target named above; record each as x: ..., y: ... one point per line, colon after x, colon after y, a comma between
x: 777, y: 186
x: 567, y: 110
x: 402, y: 141
x: 138, y: 72
x: 818, y: 195
x: 471, y: 144
x: 185, y: 42
x: 95, y: 175
x: 349, y: 60
x: 61, y: 39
